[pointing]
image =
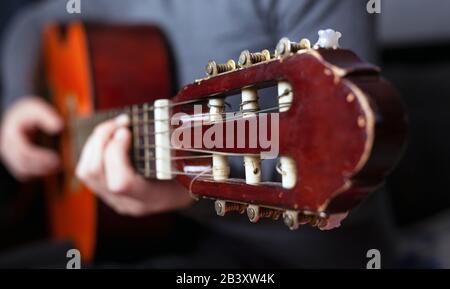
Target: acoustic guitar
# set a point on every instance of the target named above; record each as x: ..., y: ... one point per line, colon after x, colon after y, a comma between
x: 91, y: 68
x: 337, y: 127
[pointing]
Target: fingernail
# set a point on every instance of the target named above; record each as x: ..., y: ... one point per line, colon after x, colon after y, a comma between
x: 121, y: 134
x: 123, y: 120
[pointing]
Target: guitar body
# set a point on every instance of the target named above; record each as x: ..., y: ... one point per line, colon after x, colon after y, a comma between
x: 90, y: 68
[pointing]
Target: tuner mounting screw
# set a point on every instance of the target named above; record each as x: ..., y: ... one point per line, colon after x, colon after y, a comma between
x: 213, y: 68
x: 285, y: 46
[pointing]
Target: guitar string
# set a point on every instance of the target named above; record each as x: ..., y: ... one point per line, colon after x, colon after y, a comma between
x: 237, y: 115
x: 198, y: 150
x: 200, y: 175
x: 139, y: 110
x: 194, y: 179
x: 151, y: 108
x: 241, y: 116
x: 142, y: 148
x: 141, y: 158
x: 209, y: 177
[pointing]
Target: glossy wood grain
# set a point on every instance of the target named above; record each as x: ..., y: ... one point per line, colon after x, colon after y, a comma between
x: 345, y: 130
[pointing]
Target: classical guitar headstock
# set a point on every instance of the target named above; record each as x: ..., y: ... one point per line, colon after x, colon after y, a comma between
x: 336, y: 130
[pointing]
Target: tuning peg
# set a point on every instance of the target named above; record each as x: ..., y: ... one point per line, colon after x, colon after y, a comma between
x: 219, y: 206
x: 213, y: 68
x: 285, y: 46
x: 247, y: 58
x: 255, y: 213
x: 293, y: 219
x: 223, y: 207
x: 290, y: 219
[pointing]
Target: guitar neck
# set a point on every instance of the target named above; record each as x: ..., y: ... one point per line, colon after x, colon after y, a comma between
x: 143, y: 138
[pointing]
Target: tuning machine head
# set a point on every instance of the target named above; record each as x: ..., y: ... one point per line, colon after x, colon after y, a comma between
x: 214, y: 68
x: 248, y: 58
x: 222, y: 207
x: 286, y: 47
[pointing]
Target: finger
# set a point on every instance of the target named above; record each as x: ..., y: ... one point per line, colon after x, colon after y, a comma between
x: 26, y: 160
x: 91, y: 162
x: 38, y: 161
x: 118, y: 170
x: 83, y: 162
x: 123, y: 120
x: 44, y: 117
x: 90, y: 168
x: 100, y: 138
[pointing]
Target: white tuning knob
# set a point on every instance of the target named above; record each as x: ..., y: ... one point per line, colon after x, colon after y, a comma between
x: 328, y: 39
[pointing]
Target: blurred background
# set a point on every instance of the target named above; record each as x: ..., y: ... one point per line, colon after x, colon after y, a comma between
x: 21, y: 214
x: 413, y: 50
x: 414, y: 39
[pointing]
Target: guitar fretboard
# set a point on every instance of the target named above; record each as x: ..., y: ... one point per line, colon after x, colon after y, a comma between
x: 142, y: 129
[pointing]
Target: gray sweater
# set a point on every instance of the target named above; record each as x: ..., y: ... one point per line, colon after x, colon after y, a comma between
x: 200, y: 30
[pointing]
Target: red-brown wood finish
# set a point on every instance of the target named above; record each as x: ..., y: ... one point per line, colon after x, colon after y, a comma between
x: 130, y: 65
x: 345, y: 130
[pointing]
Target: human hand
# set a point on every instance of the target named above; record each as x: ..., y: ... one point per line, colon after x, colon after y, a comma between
x: 22, y: 157
x: 105, y: 168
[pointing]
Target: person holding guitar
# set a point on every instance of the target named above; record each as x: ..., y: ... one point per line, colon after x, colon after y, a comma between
x: 198, y: 30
